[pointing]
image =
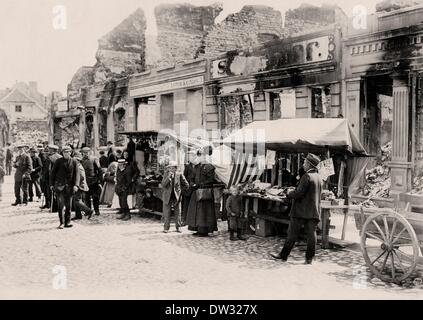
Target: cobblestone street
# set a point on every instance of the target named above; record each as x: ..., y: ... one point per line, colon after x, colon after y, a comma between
x: 106, y: 258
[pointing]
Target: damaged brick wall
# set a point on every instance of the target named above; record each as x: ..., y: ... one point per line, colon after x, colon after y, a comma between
x: 122, y: 51
x: 250, y: 27
x: 309, y: 18
x: 181, y: 29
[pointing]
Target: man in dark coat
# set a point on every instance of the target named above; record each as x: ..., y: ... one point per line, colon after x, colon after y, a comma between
x: 189, y: 174
x: 64, y: 180
x: 23, y: 165
x: 94, y: 176
x: 104, y: 160
x: 37, y: 166
x: 9, y: 159
x: 305, y: 210
x: 44, y: 180
x: 111, y: 155
x: 172, y: 184
x: 130, y: 148
x: 126, y: 175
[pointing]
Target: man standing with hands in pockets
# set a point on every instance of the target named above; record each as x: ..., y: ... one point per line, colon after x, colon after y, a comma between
x: 172, y: 184
x: 305, y: 210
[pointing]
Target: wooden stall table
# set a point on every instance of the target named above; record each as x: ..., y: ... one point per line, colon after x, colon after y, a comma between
x: 325, y: 219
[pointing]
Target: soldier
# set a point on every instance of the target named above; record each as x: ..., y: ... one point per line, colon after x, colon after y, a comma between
x: 37, y: 166
x: 64, y: 180
x: 94, y: 176
x: 23, y: 165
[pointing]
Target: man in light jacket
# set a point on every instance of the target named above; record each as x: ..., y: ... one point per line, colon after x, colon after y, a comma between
x: 172, y: 184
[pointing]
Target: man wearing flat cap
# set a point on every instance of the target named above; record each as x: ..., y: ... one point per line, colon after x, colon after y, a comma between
x: 305, y: 210
x: 64, y: 180
x: 172, y: 184
x: 23, y: 165
x: 37, y: 166
x: 53, y: 156
x: 94, y: 176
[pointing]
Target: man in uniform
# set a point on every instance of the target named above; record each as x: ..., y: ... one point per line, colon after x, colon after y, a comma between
x: 23, y: 165
x: 94, y: 178
x: 64, y: 180
x: 305, y: 210
x: 37, y: 166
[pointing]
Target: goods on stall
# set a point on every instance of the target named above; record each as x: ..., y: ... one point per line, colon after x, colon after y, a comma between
x: 378, y: 179
x: 327, y: 195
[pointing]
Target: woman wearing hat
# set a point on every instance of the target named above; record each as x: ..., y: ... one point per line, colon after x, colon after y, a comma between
x: 305, y: 210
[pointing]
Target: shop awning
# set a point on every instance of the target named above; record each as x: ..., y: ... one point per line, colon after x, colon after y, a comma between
x: 298, y: 135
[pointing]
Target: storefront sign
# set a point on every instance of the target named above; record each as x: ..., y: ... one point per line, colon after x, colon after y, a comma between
x: 219, y: 68
x: 288, y: 103
x: 168, y: 86
x: 326, y: 169
x: 62, y: 105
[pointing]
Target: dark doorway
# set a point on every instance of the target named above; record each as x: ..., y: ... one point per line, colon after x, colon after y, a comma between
x: 376, y: 113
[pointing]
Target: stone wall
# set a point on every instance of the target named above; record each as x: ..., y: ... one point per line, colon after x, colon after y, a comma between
x: 250, y: 27
x: 181, y: 28
x: 122, y: 51
x: 309, y: 18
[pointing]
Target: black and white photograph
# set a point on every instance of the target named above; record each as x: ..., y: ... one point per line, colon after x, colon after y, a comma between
x: 180, y: 150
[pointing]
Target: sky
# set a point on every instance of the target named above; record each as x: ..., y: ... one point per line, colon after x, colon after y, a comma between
x: 36, y: 44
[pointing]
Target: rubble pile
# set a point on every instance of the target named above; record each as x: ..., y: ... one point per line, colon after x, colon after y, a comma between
x: 418, y: 184
x: 30, y: 138
x: 378, y: 179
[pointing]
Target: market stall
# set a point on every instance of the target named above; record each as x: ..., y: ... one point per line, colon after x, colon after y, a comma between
x: 283, y: 143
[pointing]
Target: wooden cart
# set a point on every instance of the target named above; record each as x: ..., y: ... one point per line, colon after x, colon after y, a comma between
x: 391, y: 241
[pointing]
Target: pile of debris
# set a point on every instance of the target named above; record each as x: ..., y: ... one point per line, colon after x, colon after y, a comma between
x: 378, y: 179
x: 30, y: 138
x: 418, y: 184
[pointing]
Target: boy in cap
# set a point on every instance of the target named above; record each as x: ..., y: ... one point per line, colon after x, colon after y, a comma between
x: 305, y: 210
x: 172, y: 184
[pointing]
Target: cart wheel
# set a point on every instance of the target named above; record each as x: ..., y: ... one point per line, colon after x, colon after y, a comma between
x: 389, y: 246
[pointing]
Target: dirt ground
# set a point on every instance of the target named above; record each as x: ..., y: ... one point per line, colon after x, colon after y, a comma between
x: 105, y: 258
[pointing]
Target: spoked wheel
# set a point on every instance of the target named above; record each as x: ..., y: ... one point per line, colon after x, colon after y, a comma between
x: 390, y: 246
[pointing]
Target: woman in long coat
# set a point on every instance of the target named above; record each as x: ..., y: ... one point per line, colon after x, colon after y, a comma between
x: 201, y: 215
x: 109, y: 185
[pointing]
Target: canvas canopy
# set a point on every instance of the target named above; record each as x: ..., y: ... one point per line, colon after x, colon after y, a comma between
x: 298, y: 135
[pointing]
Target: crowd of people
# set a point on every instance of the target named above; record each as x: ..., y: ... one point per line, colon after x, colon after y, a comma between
x: 69, y: 180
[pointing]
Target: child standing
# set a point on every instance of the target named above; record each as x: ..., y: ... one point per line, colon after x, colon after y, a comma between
x: 235, y: 215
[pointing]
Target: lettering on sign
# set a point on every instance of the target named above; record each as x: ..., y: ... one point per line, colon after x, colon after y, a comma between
x: 326, y: 169
x: 168, y: 86
x: 219, y: 68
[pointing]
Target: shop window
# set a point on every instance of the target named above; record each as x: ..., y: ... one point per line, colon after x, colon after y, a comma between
x: 320, y: 102
x: 18, y: 108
